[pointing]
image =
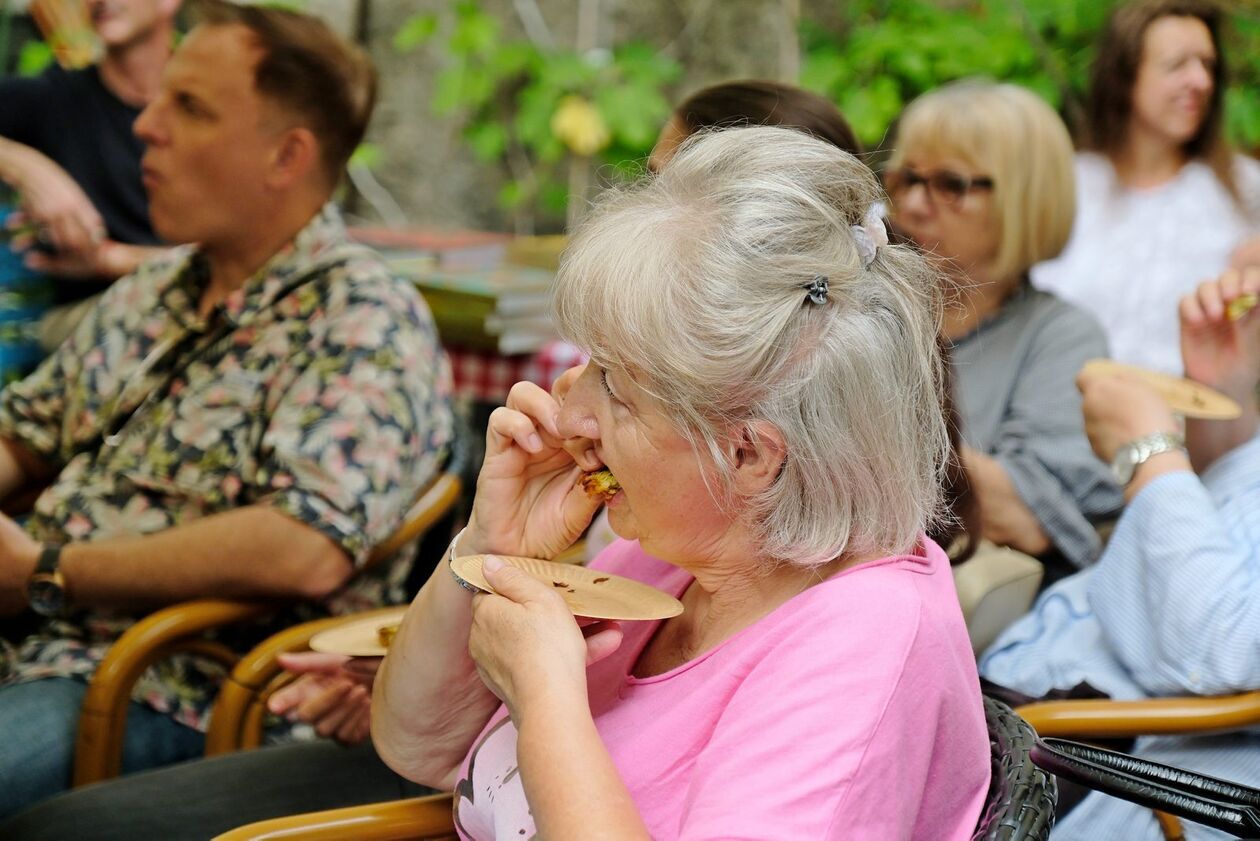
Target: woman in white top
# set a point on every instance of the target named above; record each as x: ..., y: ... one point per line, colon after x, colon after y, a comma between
x: 1162, y: 201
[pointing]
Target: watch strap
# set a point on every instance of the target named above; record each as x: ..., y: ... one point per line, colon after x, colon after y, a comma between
x: 1141, y: 450
x: 49, y: 559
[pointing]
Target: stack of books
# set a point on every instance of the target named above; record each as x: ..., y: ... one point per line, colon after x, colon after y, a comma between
x: 480, y: 299
x: 505, y: 309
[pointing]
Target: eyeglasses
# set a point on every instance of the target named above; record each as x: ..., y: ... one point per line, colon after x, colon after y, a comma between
x: 943, y: 186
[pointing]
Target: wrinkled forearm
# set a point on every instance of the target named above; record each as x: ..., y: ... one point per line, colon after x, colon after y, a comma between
x: 428, y: 702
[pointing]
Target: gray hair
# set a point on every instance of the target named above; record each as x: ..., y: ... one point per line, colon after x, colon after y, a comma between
x: 695, y: 279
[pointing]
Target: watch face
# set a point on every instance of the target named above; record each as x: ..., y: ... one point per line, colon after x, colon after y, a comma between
x: 1122, y: 465
x: 45, y: 595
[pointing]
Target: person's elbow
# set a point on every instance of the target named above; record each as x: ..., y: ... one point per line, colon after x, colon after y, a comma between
x: 327, y: 569
x: 312, y: 566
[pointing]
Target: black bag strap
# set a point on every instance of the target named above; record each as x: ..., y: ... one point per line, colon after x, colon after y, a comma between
x: 1220, y: 804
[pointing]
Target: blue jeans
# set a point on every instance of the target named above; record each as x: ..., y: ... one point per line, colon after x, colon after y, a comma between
x: 38, y: 724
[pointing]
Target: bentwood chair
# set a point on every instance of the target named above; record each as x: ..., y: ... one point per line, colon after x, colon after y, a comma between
x: 182, y: 627
x: 1104, y: 719
x: 1019, y: 806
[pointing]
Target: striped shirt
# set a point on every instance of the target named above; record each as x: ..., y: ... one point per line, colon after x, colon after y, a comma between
x: 1171, y: 608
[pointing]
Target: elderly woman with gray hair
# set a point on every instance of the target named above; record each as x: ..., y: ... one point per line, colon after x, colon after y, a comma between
x: 764, y: 385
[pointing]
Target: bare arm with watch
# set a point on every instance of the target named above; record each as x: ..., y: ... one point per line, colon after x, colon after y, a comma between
x: 217, y: 554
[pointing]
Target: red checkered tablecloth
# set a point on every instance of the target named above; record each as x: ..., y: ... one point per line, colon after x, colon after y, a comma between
x: 486, y: 377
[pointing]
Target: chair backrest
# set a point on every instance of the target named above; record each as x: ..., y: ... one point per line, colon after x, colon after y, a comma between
x: 1022, y: 797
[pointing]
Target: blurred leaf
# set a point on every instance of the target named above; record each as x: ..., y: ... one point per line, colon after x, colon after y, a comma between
x: 634, y: 113
x: 367, y: 155
x: 511, y: 195
x: 416, y: 30
x: 34, y: 58
x: 554, y: 197
x: 488, y: 140
x: 476, y: 32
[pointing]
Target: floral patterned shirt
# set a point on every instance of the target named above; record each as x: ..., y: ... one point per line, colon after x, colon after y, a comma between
x: 318, y: 389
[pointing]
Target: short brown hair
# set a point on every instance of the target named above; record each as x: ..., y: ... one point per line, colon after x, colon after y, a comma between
x: 765, y: 103
x: 308, y: 69
x: 1109, y: 105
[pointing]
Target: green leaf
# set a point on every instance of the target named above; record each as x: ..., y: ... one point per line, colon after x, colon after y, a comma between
x: 415, y: 31
x: 34, y: 57
x: 511, y: 195
x: 872, y: 108
x: 367, y: 155
x: 488, y: 140
x: 476, y: 33
x: 634, y: 113
x: 824, y: 71
x: 554, y: 197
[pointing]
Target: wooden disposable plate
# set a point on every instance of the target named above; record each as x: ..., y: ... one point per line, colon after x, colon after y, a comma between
x: 587, y: 592
x: 360, y: 638
x: 1185, y: 397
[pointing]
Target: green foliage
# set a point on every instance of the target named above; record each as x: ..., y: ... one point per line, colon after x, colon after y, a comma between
x: 33, y: 58
x: 507, y: 91
x: 884, y: 53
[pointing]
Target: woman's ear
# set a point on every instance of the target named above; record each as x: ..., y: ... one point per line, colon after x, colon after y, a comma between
x: 758, y: 452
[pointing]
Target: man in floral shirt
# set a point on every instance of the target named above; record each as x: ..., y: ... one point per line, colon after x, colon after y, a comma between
x: 242, y: 418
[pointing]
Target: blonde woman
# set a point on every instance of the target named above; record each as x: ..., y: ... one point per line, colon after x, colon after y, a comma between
x: 982, y: 179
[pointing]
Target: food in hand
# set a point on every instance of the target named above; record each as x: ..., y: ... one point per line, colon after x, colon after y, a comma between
x: 385, y: 634
x: 1241, y: 305
x: 600, y: 483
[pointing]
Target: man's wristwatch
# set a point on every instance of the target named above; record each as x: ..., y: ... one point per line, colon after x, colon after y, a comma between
x: 46, y: 588
x: 1134, y: 453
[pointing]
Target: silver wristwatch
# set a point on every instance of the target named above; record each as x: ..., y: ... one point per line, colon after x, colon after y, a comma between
x: 1132, y: 454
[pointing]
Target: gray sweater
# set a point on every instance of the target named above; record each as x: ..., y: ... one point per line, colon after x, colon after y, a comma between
x: 1016, y: 392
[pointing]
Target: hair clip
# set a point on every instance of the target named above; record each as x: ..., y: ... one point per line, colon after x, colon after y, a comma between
x: 816, y: 290
x: 869, y: 235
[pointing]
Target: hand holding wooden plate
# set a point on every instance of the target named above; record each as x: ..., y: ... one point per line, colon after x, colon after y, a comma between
x: 1185, y: 397
x: 366, y: 637
x: 588, y: 592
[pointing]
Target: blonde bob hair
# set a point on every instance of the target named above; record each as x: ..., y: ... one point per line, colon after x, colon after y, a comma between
x: 694, y: 280
x: 1011, y: 135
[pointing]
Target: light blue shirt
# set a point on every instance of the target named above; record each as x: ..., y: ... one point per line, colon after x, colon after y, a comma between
x: 1171, y: 608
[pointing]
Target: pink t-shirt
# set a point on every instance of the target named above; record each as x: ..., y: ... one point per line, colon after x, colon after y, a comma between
x: 852, y: 711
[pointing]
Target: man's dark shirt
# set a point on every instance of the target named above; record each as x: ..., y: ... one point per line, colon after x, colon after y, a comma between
x: 71, y: 117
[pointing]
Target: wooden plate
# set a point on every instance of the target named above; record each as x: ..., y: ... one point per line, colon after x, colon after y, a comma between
x: 587, y: 592
x: 1185, y: 397
x: 360, y: 638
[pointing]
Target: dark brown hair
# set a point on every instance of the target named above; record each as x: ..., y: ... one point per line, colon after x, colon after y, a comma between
x: 308, y: 69
x: 1110, y: 102
x: 758, y: 102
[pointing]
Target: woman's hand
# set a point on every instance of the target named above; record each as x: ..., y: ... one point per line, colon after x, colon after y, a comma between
x: 1218, y: 351
x: 1119, y: 409
x: 528, y: 502
x: 332, y: 693
x: 527, y: 645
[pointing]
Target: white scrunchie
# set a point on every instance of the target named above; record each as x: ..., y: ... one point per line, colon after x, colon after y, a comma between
x: 870, y: 235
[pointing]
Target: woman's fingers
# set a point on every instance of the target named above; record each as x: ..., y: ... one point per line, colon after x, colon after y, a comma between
x: 317, y: 707
x: 530, y: 400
